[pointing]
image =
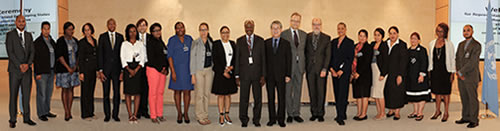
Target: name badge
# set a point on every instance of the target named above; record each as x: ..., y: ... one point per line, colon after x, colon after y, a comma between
x: 413, y: 60
x: 209, y: 53
x: 467, y: 55
x: 359, y: 54
x: 230, y: 54
x: 297, y: 58
x: 250, y: 60
x: 165, y: 51
x: 186, y: 49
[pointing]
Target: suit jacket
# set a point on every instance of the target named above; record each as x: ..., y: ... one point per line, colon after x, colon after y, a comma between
x: 197, y: 58
x: 297, y: 51
x: 62, y: 51
x: 278, y: 64
x: 219, y: 56
x: 108, y: 59
x: 17, y: 54
x: 363, y: 67
x: 41, y: 63
x: 156, y: 51
x: 342, y: 56
x: 242, y: 68
x: 383, y: 52
x: 398, y: 59
x: 87, y: 56
x: 468, y: 60
x: 319, y: 59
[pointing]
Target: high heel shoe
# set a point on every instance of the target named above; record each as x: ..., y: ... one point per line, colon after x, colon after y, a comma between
x: 179, y: 119
x: 66, y: 118
x: 435, y: 116
x: 389, y: 115
x: 186, y: 119
x: 445, y: 118
x: 227, y: 119
x: 419, y: 118
x: 221, y: 119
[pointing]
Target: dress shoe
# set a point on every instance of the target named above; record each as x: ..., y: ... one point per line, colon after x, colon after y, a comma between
x: 116, y: 119
x: 472, y: 125
x: 289, y: 119
x: 43, y: 118
x: 244, y: 125
x: 390, y: 115
x: 461, y: 121
x: 256, y: 124
x: 419, y: 118
x: 12, y: 124
x: 146, y: 115
x: 29, y: 122
x: 313, y: 118
x: 106, y: 119
x: 396, y: 118
x: 271, y: 123
x: 298, y: 119
x: 361, y: 118
x: 341, y: 122
x: 435, y: 116
x: 282, y: 124
x: 51, y: 115
x: 321, y: 119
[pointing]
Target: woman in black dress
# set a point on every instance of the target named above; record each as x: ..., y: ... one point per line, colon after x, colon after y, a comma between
x: 88, y: 70
x: 441, y: 68
x: 362, y: 74
x: 394, y: 90
x: 224, y: 84
x: 133, y: 56
x: 417, y: 89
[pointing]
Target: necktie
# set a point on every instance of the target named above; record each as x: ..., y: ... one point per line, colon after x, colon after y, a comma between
x: 22, y: 40
x: 249, y: 43
x: 112, y: 41
x: 315, y: 42
x: 275, y: 46
x: 296, y: 38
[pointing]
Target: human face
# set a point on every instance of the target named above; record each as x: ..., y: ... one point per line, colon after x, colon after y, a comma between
x: 180, y: 30
x: 341, y: 29
x: 156, y: 32
x: 393, y: 35
x: 316, y: 26
x: 225, y: 34
x: 275, y: 30
x: 142, y: 27
x: 377, y: 36
x: 86, y: 31
x: 132, y: 33
x: 440, y: 32
x: 249, y: 28
x: 46, y: 31
x: 414, y: 40
x: 203, y: 31
x: 111, y: 25
x: 467, y: 32
x: 362, y: 37
x: 20, y: 23
x: 70, y: 31
x: 295, y: 21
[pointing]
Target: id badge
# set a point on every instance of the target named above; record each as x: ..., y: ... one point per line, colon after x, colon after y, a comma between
x: 186, y: 49
x: 467, y: 55
x: 297, y: 58
x: 209, y: 53
x: 250, y: 60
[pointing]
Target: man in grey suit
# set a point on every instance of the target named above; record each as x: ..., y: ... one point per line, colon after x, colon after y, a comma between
x: 297, y: 39
x: 318, y: 52
x: 467, y: 59
x: 21, y: 52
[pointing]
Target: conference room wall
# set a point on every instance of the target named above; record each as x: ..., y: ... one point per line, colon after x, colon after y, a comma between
x: 408, y: 15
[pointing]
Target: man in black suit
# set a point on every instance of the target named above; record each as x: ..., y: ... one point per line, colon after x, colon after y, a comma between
x: 249, y: 71
x: 340, y: 67
x: 278, y: 63
x: 21, y: 52
x: 318, y: 52
x: 109, y: 65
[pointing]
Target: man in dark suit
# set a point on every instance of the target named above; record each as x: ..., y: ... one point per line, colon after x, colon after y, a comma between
x: 318, y: 53
x: 278, y: 65
x: 340, y: 67
x: 467, y: 59
x: 297, y: 39
x: 21, y: 52
x: 109, y: 66
x: 249, y: 72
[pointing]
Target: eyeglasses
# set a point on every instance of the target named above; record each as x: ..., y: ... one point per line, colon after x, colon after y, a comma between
x: 203, y: 29
x: 156, y: 30
x: 224, y: 32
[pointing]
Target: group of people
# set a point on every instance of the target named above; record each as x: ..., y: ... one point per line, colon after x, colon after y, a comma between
x: 389, y: 71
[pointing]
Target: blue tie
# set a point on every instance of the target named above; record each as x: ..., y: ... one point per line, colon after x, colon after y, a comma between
x: 275, y: 46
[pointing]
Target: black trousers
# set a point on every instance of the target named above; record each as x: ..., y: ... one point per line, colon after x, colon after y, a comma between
x: 115, y: 79
x: 272, y: 86
x: 143, y: 106
x: 245, y: 86
x: 87, y: 93
x: 23, y: 81
x: 317, y: 92
x: 341, y: 91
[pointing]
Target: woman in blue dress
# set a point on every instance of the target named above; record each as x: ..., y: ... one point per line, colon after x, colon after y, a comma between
x: 180, y: 79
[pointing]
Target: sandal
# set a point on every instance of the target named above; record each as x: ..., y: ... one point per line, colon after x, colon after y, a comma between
x: 227, y: 119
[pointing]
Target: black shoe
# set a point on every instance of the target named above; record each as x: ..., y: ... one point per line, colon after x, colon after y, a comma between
x: 12, y: 124
x: 256, y: 124
x: 29, y: 122
x: 361, y: 118
x: 396, y: 118
x: 313, y: 118
x: 106, y: 119
x: 289, y: 119
x: 461, y: 121
x: 51, y: 115
x: 336, y: 118
x: 116, y: 119
x: 341, y: 122
x: 472, y: 125
x: 138, y: 116
x: 187, y: 121
x: 321, y: 119
x: 282, y: 124
x: 355, y: 118
x: 271, y: 123
x: 298, y: 119
x: 179, y: 119
x: 146, y: 115
x: 390, y: 115
x: 43, y: 118
x: 242, y: 125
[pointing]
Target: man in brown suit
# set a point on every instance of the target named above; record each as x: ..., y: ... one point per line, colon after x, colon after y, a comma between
x: 467, y: 59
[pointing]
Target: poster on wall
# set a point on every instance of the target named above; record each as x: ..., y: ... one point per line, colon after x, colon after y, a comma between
x: 35, y: 11
x: 473, y: 12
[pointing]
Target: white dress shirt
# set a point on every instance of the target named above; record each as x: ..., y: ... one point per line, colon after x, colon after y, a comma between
x: 389, y: 44
x: 129, y: 51
x: 228, y: 50
x: 22, y: 36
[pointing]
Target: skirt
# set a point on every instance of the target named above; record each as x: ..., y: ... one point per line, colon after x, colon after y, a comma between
x: 66, y: 80
x: 133, y: 85
x: 377, y: 86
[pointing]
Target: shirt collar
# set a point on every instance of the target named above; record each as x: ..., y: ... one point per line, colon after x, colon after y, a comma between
x: 19, y: 31
x: 251, y: 36
x: 395, y: 43
x: 276, y: 39
x: 111, y: 33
